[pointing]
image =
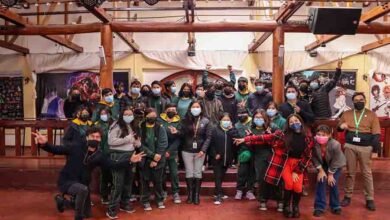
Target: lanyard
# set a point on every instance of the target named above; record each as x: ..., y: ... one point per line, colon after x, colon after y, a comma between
x: 196, y: 129
x: 357, y: 122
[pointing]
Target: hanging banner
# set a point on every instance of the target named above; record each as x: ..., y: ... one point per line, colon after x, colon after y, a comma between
x: 380, y: 94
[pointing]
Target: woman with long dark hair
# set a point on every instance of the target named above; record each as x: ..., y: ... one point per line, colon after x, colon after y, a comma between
x: 291, y: 156
x: 196, y: 136
x: 122, y: 141
x: 185, y: 98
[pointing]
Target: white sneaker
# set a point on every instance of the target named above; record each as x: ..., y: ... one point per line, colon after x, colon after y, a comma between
x: 263, y: 206
x: 238, y: 195
x: 147, y: 207
x: 250, y: 196
x: 161, y: 205
x: 280, y: 207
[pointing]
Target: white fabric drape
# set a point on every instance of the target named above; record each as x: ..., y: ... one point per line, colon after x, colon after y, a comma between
x: 380, y: 62
x: 218, y: 59
x: 298, y: 60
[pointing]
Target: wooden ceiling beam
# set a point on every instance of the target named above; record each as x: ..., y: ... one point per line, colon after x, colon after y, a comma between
x: 284, y: 13
x: 20, y: 21
x: 367, y: 17
x: 14, y: 47
x: 375, y: 45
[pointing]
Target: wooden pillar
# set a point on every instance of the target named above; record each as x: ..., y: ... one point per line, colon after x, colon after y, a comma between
x: 278, y: 65
x: 106, y: 75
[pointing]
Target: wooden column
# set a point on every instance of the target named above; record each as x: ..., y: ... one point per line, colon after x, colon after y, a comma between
x: 106, y: 75
x: 278, y: 65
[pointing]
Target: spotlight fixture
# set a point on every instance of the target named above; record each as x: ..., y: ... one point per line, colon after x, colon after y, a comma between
x: 191, y: 50
x: 8, y: 3
x: 151, y: 2
x: 92, y: 3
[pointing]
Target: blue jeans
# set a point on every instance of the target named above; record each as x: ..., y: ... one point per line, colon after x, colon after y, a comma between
x: 320, y: 200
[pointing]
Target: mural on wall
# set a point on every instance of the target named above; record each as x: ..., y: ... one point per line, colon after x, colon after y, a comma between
x: 339, y: 97
x: 53, y: 88
x: 380, y: 94
x: 11, y: 97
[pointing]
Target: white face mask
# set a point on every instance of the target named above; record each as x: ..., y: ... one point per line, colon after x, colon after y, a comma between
x: 196, y: 111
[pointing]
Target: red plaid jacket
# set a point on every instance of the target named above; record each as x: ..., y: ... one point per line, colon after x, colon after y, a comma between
x: 280, y: 154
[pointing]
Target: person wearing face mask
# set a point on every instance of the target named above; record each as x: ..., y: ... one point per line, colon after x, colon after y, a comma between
x: 328, y: 159
x: 103, y: 124
x: 146, y: 91
x: 292, y: 152
x: 295, y: 106
x: 134, y: 96
x: 229, y: 102
x: 274, y: 116
x: 120, y: 94
x: 221, y: 152
x: 218, y: 83
x: 304, y: 90
x: 170, y: 120
x: 184, y: 100
x: 243, y: 92
x: 154, y: 141
x: 77, y: 129
x: 362, y: 143
x: 246, y: 172
x: 123, y: 141
x: 82, y: 158
x: 170, y: 91
x: 200, y: 92
x: 320, y: 95
x: 260, y: 98
x: 156, y: 100
x: 212, y: 106
x: 107, y: 101
x: 195, y: 136
x: 72, y: 103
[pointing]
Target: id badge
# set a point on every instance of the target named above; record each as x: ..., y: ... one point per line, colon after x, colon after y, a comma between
x: 195, y: 145
x: 356, y: 139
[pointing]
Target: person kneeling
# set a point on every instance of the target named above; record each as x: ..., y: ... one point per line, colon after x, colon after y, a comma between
x: 82, y: 158
x: 329, y: 159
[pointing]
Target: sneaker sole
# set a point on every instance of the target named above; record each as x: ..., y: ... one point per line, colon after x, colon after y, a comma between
x: 110, y: 217
x: 263, y: 209
x: 161, y: 207
x: 177, y: 202
x: 127, y: 211
x: 148, y: 209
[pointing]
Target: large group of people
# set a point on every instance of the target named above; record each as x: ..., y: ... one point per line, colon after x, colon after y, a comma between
x: 149, y: 133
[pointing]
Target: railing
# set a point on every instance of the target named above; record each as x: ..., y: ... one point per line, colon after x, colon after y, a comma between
x: 53, y: 126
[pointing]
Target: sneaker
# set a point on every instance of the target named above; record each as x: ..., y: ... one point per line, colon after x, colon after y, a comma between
x: 59, y: 203
x: 318, y: 213
x: 305, y: 192
x: 147, y: 207
x: 218, y: 200
x: 233, y: 166
x: 160, y: 205
x: 176, y: 198
x: 92, y: 204
x: 222, y: 197
x: 280, y: 207
x: 250, y: 196
x: 238, y: 195
x: 345, y: 202
x: 104, y: 201
x: 111, y: 214
x: 165, y: 195
x: 133, y: 198
x: 263, y: 206
x: 127, y: 208
x: 336, y: 211
x: 370, y: 205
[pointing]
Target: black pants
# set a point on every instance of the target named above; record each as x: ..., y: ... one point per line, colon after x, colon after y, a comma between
x: 82, y: 199
x: 156, y: 176
x: 246, y: 176
x: 219, y: 174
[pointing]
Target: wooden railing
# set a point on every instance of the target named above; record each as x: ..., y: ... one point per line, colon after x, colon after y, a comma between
x: 17, y: 127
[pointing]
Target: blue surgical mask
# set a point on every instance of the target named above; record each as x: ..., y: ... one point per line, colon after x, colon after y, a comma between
x: 196, y: 111
x: 135, y: 90
x: 271, y: 112
x: 226, y: 124
x: 128, y: 118
x: 173, y: 89
x: 296, y: 127
x: 258, y: 122
x: 109, y: 98
x: 314, y: 85
x: 156, y: 91
x: 291, y: 96
x: 259, y: 88
x: 104, y: 118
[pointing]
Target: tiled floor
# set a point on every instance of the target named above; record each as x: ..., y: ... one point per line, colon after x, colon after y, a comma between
x: 39, y: 205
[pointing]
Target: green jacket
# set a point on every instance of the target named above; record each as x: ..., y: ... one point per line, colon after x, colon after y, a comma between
x: 241, y: 128
x: 279, y: 121
x: 242, y: 96
x: 114, y: 110
x: 154, y: 140
x: 172, y: 99
x: 173, y: 139
x: 104, y: 126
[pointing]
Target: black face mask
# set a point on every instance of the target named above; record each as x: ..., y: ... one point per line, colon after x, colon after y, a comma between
x: 241, y: 87
x: 186, y: 93
x: 210, y: 94
x: 358, y: 105
x: 171, y: 114
x: 304, y: 88
x: 84, y: 117
x: 218, y: 86
x: 151, y: 120
x: 93, y: 143
x: 145, y: 92
x: 243, y: 118
x: 227, y: 91
x: 76, y: 97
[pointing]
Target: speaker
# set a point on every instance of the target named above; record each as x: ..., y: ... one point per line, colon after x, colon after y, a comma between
x: 339, y: 21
